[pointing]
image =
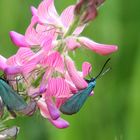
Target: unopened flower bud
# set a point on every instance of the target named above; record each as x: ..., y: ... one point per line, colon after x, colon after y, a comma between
x: 88, y: 9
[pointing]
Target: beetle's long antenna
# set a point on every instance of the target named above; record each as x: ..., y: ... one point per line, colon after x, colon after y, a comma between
x: 100, y: 73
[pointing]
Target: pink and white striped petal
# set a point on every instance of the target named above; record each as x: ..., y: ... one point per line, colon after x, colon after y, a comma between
x: 53, y: 110
x: 32, y: 36
x: 101, y: 49
x: 25, y: 59
x: 55, y: 60
x: 29, y: 67
x: 78, y: 81
x: 46, y: 30
x: 18, y: 39
x: 23, y: 55
x: 47, y: 44
x: 37, y: 35
x: 57, y: 87
x: 43, y: 85
x: 47, y: 13
x: 86, y: 68
x: 32, y: 62
x: 12, y: 61
x: 67, y: 16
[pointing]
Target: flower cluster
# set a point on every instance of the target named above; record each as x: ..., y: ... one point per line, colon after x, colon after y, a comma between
x: 43, y: 59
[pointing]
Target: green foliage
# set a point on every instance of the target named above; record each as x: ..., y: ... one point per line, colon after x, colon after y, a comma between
x: 113, y: 112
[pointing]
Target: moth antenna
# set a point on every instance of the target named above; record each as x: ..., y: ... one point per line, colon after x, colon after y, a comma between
x: 100, y: 73
x: 107, y: 70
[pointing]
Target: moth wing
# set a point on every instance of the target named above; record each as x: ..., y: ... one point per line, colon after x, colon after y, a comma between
x: 11, y: 99
x: 75, y: 103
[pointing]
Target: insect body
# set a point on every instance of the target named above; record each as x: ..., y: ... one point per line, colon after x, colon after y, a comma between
x: 12, y: 100
x: 75, y: 102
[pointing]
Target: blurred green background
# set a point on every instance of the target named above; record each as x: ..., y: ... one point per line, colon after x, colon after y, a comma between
x: 113, y: 113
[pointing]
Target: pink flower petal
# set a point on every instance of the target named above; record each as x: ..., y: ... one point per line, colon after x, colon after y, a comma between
x: 27, y: 68
x: 31, y: 36
x: 47, y: 13
x: 53, y: 110
x: 60, y: 123
x: 41, y: 28
x: 23, y: 55
x: 18, y: 39
x: 3, y: 64
x: 13, y: 70
x: 38, y: 35
x: 55, y: 60
x: 58, y: 88
x: 86, y: 68
x: 46, y: 30
x: 78, y: 81
x: 45, y: 78
x: 72, y: 87
x: 60, y: 101
x: 33, y: 61
x: 72, y: 43
x: 43, y: 108
x: 34, y: 11
x: 47, y: 44
x: 21, y: 60
x: 67, y: 16
x: 79, y: 29
x: 12, y: 61
x: 96, y: 47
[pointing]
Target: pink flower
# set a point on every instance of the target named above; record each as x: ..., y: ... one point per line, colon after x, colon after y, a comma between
x: 47, y: 15
x: 56, y: 90
x: 34, y: 35
x: 86, y: 69
x: 43, y: 56
x: 96, y: 47
x: 65, y: 20
x: 58, y: 122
